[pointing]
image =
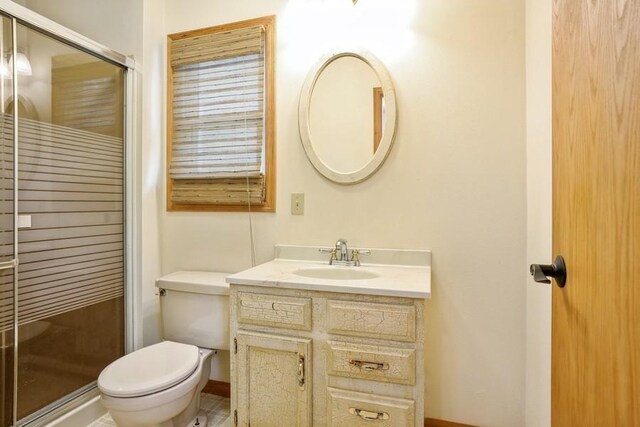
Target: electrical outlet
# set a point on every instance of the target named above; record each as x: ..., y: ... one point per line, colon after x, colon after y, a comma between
x: 297, y: 203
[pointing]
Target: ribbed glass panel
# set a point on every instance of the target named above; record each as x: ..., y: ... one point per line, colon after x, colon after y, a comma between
x: 73, y: 253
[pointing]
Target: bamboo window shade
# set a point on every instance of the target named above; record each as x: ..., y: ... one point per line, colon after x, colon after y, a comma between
x: 217, y: 150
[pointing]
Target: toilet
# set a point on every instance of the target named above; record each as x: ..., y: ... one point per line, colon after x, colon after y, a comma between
x: 160, y: 385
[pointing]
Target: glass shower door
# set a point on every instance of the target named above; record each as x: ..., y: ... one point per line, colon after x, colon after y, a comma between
x: 71, y: 205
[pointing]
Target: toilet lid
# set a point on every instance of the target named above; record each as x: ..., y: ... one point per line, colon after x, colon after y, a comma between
x: 149, y: 370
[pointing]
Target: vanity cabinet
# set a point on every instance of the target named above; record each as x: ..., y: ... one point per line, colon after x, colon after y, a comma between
x: 314, y: 358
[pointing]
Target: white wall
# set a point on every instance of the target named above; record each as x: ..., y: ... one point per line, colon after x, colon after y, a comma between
x: 454, y: 182
x: 538, y: 42
x: 152, y: 155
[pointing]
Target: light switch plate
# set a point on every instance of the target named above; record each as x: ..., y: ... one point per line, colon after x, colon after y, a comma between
x: 297, y: 203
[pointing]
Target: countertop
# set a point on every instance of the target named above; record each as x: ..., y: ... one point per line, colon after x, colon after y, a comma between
x: 410, y: 281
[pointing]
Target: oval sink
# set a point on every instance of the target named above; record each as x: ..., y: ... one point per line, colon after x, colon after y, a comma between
x: 329, y: 273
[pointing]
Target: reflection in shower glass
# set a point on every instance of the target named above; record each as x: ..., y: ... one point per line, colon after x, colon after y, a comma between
x: 71, y: 273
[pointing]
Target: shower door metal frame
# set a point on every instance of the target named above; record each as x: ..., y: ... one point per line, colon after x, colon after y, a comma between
x: 132, y: 295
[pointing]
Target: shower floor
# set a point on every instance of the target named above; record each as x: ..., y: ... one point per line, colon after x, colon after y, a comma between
x: 217, y: 408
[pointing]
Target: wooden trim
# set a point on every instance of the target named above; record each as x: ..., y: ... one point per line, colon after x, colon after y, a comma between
x: 432, y: 422
x: 269, y: 205
x: 264, y: 21
x: 219, y: 388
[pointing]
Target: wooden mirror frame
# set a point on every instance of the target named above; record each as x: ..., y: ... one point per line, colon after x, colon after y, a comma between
x: 388, y: 135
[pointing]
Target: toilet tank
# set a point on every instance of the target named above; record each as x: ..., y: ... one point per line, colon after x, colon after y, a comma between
x: 194, y: 306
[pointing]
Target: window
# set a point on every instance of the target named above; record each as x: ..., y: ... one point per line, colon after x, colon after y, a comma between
x: 221, y: 127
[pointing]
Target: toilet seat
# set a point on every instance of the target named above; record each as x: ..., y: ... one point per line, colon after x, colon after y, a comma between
x: 149, y: 370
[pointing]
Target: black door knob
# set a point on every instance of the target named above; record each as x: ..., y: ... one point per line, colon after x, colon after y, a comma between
x: 557, y: 270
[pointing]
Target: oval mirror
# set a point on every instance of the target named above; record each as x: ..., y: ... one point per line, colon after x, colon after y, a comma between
x: 347, y: 116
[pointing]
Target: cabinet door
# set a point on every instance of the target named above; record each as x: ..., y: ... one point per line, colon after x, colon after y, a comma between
x: 274, y: 380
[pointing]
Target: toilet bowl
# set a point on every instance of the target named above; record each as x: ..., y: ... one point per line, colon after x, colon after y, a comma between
x: 160, y: 385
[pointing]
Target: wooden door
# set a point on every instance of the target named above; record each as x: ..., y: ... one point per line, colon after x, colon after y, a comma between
x: 274, y: 380
x: 596, y: 213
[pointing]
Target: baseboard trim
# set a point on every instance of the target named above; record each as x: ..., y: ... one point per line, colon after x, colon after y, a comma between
x: 219, y: 388
x: 432, y: 422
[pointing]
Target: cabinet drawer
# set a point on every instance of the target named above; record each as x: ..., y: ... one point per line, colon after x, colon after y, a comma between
x: 370, y: 362
x: 383, y: 321
x: 353, y: 409
x: 275, y: 311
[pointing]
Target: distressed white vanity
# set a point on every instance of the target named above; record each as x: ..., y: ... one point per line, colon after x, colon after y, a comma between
x: 329, y: 345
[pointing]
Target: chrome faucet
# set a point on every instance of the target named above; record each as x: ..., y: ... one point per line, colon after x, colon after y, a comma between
x: 342, y: 254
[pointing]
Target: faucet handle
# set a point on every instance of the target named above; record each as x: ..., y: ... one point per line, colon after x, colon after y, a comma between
x: 355, y: 255
x: 334, y: 257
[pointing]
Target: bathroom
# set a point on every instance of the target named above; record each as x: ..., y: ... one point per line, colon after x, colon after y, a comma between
x: 468, y: 178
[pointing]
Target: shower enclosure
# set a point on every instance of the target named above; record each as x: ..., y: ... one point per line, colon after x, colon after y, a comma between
x: 63, y: 228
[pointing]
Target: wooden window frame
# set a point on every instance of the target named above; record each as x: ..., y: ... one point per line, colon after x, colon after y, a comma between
x: 268, y: 22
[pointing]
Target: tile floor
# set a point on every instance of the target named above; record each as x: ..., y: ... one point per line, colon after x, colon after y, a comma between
x: 217, y: 408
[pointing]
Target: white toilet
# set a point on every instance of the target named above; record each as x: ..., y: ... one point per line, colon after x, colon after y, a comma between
x: 160, y: 385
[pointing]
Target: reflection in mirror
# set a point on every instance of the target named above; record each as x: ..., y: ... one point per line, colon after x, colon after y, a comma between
x: 379, y: 116
x: 347, y: 116
x: 345, y: 101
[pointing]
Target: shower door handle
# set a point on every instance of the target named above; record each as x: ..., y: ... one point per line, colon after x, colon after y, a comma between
x: 5, y: 265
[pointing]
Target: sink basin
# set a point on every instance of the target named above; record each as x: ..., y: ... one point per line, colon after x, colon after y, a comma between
x: 333, y: 273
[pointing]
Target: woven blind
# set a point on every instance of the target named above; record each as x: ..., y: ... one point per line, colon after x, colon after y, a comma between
x: 218, y: 111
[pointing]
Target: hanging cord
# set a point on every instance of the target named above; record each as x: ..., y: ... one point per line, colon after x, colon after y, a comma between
x: 247, y: 183
x: 251, y: 238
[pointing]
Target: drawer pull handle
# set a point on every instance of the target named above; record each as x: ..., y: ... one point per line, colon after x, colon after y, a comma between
x: 301, y: 379
x: 368, y: 415
x: 369, y: 366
